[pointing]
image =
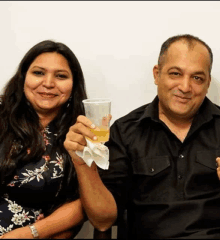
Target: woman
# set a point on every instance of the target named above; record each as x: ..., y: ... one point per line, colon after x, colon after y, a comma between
x: 38, y: 106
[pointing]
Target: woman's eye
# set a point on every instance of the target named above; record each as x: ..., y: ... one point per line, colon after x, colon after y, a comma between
x: 62, y: 76
x: 38, y: 73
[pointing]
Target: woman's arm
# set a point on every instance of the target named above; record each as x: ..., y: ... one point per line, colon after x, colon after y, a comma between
x: 97, y: 200
x: 65, y: 217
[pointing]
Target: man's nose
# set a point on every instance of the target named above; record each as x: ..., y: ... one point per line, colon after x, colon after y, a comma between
x: 48, y: 81
x: 185, y: 84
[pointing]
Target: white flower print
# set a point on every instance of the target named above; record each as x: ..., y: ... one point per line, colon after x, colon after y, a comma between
x: 5, y: 230
x: 46, y: 130
x: 36, y: 213
x: 30, y: 175
x: 59, y: 161
x: 55, y: 174
x: 14, y: 207
x: 20, y: 218
x: 46, y: 138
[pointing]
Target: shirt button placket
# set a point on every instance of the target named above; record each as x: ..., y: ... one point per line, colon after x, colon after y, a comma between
x: 181, y: 156
x: 179, y: 177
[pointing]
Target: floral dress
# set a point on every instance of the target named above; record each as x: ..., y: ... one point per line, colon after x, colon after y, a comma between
x: 33, y: 189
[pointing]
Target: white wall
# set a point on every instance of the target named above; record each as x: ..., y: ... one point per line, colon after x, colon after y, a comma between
x: 116, y: 42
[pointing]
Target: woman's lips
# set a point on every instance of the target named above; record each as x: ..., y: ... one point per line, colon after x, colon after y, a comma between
x: 47, y: 95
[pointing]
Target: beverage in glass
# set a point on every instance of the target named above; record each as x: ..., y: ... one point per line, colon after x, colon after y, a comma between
x: 98, y: 110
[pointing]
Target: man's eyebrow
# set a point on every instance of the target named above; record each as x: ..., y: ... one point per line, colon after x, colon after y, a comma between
x: 199, y: 73
x: 179, y: 69
x: 175, y: 67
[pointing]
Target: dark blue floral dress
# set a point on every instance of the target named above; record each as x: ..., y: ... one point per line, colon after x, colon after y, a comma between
x: 33, y: 190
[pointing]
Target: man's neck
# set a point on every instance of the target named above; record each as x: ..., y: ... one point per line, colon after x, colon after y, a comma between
x: 177, y: 125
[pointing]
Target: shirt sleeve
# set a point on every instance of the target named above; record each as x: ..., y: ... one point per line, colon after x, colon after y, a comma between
x: 117, y: 177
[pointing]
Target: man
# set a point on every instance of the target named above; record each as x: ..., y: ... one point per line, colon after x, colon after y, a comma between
x: 163, y: 154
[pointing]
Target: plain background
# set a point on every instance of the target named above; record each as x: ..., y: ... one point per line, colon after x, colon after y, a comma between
x: 116, y: 42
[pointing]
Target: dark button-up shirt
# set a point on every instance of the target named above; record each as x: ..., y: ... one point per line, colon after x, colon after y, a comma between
x: 170, y: 188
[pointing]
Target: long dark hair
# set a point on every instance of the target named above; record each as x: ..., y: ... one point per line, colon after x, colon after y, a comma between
x: 19, y: 123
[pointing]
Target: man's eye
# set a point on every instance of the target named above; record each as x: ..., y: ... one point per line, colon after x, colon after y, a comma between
x: 198, y: 78
x: 38, y: 73
x: 175, y: 73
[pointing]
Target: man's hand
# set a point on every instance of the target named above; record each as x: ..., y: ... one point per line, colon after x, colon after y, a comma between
x: 75, y: 138
x: 218, y: 166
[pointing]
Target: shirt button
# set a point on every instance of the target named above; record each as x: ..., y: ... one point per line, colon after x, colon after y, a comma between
x: 152, y: 170
x: 181, y: 156
x: 180, y: 177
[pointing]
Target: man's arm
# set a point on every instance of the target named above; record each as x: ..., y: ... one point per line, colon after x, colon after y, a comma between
x: 98, y: 202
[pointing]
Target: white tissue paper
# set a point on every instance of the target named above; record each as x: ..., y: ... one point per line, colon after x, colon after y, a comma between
x: 96, y: 152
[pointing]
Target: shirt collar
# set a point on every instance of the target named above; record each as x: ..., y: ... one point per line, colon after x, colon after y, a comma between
x: 207, y: 110
x: 151, y: 111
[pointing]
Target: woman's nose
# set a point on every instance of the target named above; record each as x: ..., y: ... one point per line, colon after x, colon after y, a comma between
x: 48, y: 81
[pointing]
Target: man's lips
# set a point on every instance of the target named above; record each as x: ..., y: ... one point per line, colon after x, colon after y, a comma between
x: 182, y: 99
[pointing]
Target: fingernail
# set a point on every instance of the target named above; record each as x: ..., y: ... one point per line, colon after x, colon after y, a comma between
x: 95, y: 138
x: 93, y: 126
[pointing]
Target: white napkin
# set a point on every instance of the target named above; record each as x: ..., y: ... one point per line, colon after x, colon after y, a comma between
x: 96, y: 152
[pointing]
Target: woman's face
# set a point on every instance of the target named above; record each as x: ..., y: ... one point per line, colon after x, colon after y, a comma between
x: 48, y: 83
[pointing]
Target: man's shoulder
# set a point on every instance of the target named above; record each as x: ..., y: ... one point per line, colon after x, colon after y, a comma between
x: 134, y: 115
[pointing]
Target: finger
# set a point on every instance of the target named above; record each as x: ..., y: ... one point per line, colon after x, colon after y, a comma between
x: 218, y: 172
x: 76, y: 137
x: 73, y: 146
x: 84, y: 120
x: 41, y: 216
x: 218, y: 161
x: 83, y: 130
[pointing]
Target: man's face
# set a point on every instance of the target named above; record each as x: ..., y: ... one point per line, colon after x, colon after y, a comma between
x: 183, y: 80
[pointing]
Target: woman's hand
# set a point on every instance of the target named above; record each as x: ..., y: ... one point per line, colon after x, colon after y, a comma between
x: 23, y: 232
x: 75, y: 138
x: 41, y: 216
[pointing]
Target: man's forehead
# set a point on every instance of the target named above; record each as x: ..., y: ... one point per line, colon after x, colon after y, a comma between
x: 183, y: 46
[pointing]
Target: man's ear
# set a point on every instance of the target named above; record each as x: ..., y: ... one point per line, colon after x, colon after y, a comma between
x: 209, y: 81
x: 210, y: 78
x: 156, y: 74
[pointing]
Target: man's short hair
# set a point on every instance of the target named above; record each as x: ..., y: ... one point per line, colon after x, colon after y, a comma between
x: 190, y: 40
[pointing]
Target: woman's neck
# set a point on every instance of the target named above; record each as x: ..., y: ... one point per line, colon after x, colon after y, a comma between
x: 45, y: 119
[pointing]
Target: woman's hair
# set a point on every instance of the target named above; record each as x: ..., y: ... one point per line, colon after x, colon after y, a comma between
x: 20, y: 127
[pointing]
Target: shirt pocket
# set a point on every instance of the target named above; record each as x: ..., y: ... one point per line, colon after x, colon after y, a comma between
x: 208, y: 158
x: 203, y: 179
x: 150, y: 166
x: 149, y: 178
